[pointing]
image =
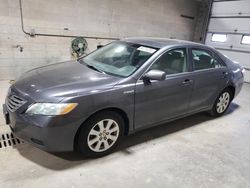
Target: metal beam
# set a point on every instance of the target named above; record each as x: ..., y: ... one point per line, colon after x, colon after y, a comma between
x: 204, y: 35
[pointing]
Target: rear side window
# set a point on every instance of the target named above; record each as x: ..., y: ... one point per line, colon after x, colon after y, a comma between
x: 172, y: 62
x: 204, y: 60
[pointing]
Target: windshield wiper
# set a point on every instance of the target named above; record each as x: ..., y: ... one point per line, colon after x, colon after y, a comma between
x: 94, y: 68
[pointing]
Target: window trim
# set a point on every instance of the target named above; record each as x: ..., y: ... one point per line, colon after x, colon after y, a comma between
x: 242, y: 39
x: 213, y: 54
x: 218, y: 34
x: 166, y: 51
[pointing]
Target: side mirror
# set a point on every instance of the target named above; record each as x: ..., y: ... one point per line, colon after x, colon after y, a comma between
x: 155, y: 75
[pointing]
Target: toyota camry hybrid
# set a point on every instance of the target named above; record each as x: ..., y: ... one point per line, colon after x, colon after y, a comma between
x: 89, y: 104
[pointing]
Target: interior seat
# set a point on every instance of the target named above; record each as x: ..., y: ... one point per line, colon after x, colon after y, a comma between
x: 203, y: 63
x: 177, y: 65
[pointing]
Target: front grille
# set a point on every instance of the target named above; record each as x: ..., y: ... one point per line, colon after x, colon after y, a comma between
x: 14, y: 102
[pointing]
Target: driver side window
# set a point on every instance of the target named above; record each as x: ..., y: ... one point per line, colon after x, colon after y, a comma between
x: 172, y: 62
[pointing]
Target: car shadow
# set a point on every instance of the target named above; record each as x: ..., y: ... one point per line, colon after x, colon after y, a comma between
x: 66, y: 160
x: 169, y: 128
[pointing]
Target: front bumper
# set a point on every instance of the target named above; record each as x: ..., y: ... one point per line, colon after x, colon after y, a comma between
x: 49, y: 133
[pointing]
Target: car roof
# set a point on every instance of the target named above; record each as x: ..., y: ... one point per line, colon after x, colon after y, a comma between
x: 160, y: 42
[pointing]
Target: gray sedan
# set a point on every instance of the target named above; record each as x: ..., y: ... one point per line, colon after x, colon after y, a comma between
x: 121, y: 88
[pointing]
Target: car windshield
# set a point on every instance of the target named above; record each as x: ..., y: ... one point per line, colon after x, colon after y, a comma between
x: 119, y: 58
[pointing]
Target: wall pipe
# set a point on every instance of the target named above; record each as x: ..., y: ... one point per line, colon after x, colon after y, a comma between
x: 56, y: 35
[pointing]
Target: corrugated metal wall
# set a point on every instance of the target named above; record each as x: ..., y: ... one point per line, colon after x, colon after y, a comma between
x: 232, y: 18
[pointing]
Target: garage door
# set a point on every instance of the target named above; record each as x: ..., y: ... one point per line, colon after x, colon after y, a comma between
x: 229, y: 30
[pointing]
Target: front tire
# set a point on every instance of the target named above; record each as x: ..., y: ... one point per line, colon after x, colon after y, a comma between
x: 222, y: 103
x: 100, y: 134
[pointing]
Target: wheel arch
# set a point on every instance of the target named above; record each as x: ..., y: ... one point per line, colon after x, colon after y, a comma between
x: 232, y: 89
x: 121, y: 112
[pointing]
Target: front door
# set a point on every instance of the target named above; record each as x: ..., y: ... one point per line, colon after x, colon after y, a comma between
x: 158, y: 101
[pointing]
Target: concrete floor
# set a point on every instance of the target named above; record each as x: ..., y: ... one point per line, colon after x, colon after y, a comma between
x: 197, y: 151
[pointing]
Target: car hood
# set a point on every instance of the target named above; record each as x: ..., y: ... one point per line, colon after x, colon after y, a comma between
x: 53, y: 83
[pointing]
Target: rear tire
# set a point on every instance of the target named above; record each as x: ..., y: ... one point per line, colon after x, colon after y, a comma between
x: 100, y: 134
x: 222, y: 103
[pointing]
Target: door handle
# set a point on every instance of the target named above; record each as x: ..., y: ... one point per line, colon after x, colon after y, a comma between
x: 187, y: 82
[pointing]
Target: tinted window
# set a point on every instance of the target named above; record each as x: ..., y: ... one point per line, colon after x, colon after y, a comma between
x: 204, y: 60
x: 172, y: 62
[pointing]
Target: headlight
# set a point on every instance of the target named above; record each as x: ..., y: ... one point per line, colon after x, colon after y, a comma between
x: 51, y: 109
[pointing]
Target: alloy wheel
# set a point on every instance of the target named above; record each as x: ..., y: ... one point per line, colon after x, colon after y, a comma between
x: 223, y: 102
x: 103, y: 135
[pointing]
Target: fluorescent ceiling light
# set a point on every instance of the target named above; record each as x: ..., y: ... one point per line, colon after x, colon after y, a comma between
x: 219, y: 37
x: 245, y: 39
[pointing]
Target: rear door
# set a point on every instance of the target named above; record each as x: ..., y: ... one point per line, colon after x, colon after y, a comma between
x: 210, y: 76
